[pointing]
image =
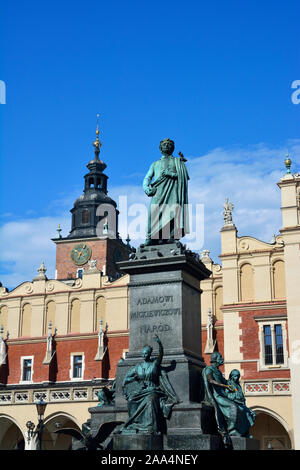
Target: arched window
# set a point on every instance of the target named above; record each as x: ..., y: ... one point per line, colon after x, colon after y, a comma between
x: 279, y: 280
x: 85, y: 216
x: 50, y: 315
x: 218, y: 302
x: 26, y: 320
x: 3, y: 318
x: 75, y: 316
x: 247, y: 283
x: 80, y: 272
x: 100, y: 312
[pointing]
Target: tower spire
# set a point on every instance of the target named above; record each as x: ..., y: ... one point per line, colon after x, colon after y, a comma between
x: 97, y: 144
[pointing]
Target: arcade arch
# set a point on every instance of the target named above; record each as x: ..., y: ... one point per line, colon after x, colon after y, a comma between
x: 271, y: 430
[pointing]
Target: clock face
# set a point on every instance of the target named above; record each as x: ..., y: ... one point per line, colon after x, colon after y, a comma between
x: 80, y: 254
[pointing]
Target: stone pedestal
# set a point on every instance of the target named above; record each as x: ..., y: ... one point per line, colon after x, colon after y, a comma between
x: 137, y: 442
x: 193, y: 442
x: 244, y: 443
x: 164, y: 292
x: 192, y: 418
x: 104, y: 414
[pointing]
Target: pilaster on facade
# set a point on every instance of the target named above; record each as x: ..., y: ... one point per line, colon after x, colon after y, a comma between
x: 232, y: 342
x: 290, y: 208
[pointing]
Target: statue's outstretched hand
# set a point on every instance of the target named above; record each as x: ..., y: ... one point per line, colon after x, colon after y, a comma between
x: 157, y: 339
x: 150, y: 191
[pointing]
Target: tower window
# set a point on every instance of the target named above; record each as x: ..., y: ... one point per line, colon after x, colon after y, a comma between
x: 85, y: 216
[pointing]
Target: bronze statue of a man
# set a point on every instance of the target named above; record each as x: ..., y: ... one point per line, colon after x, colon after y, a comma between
x: 167, y: 183
x: 232, y: 416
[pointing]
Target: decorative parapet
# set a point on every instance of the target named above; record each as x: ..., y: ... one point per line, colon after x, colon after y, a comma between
x: 267, y: 387
x: 6, y: 398
x: 50, y: 395
x: 37, y: 396
x: 80, y: 394
x: 281, y: 387
x: 60, y: 395
x: 21, y: 397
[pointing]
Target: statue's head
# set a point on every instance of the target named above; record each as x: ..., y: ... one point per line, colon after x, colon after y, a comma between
x: 147, y: 351
x: 167, y: 146
x: 217, y: 358
x: 235, y: 375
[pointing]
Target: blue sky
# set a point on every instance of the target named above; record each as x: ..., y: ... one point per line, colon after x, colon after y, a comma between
x: 213, y: 76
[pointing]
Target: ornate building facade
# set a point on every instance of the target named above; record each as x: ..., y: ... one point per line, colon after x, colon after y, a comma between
x: 61, y: 339
x: 253, y: 302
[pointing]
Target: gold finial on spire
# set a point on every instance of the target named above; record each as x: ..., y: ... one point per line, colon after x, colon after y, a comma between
x: 97, y: 130
x: 288, y: 163
x: 97, y: 144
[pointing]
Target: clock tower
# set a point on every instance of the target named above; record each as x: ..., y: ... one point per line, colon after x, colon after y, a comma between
x: 94, y: 228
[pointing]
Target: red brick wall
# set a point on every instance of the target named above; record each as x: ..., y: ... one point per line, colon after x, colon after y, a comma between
x: 116, y: 345
x: 250, y: 343
x: 59, y: 369
x: 86, y: 346
x: 102, y: 250
x: 16, y: 351
x: 66, y: 269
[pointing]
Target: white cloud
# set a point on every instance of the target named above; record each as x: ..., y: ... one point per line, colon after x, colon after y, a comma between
x: 25, y: 244
x: 247, y: 176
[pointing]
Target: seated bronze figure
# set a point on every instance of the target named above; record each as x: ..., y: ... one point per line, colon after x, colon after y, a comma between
x: 232, y: 415
x: 150, y: 395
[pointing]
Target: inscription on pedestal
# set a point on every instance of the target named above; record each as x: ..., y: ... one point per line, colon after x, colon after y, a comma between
x: 154, y: 311
x: 157, y: 314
